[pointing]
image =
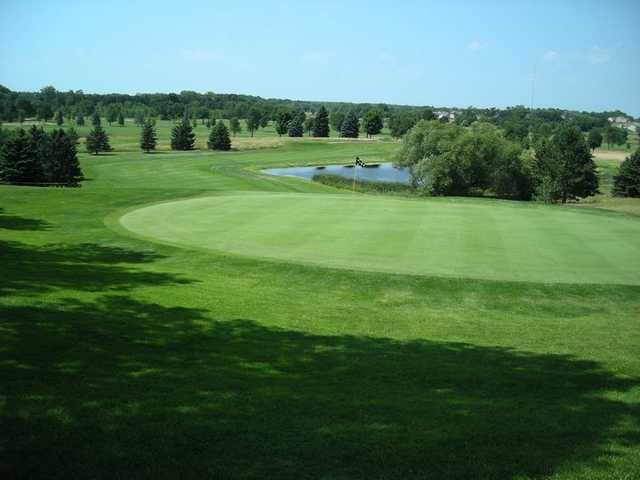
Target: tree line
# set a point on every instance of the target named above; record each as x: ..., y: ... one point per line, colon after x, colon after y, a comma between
x: 36, y: 157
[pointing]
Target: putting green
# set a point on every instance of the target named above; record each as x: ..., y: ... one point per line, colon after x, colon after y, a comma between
x: 450, y: 237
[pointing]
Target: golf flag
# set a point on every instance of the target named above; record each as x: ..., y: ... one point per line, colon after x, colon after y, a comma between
x: 359, y: 163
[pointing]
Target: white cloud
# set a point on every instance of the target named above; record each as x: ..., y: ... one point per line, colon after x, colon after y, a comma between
x: 475, y: 45
x: 201, y: 55
x: 551, y: 56
x: 598, y: 55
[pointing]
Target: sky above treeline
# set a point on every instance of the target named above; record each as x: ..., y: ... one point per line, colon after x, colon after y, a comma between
x: 581, y: 54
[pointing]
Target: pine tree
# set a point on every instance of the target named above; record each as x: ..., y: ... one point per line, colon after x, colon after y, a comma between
x: 120, y: 118
x: 350, y: 126
x: 80, y: 120
x: 235, y: 126
x: 59, y: 118
x: 627, y: 182
x: 62, y: 164
x: 219, y: 137
x: 182, y: 136
x: 98, y: 141
x: 296, y: 128
x: 19, y: 162
x: 321, y: 123
x: 95, y: 119
x: 148, y: 137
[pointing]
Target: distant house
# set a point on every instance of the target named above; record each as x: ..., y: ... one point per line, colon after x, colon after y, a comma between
x: 620, y: 121
x: 450, y: 116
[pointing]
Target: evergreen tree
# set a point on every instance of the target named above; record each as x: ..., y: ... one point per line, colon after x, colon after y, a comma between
x: 235, y: 126
x: 321, y: 123
x: 120, y: 118
x: 594, y: 139
x: 219, y: 137
x: 59, y: 118
x: 182, y: 136
x: 564, y: 166
x: 80, y: 120
x: 95, y: 119
x: 98, y: 141
x: 336, y: 118
x: 309, y: 122
x: 19, y: 163
x: 62, y: 164
x: 350, y: 126
x: 627, y: 182
x: 148, y: 137
x: 296, y: 128
x: 112, y: 114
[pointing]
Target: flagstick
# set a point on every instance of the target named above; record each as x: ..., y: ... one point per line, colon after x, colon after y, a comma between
x: 355, y: 172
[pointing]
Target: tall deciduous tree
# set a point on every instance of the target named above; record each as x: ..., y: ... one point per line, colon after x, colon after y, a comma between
x: 148, y: 138
x: 335, y: 119
x: 98, y: 141
x: 219, y: 137
x: 594, y: 139
x: 283, y: 117
x: 95, y: 119
x: 80, y: 120
x: 234, y: 125
x: 350, y: 126
x: 253, y: 120
x: 321, y: 123
x: 182, y: 136
x: 372, y: 121
x: 120, y: 118
x: 627, y: 182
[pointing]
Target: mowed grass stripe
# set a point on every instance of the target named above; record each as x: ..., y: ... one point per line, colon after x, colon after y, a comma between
x: 489, y: 240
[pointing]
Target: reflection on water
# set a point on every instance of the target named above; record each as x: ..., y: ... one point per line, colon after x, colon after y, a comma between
x: 384, y: 172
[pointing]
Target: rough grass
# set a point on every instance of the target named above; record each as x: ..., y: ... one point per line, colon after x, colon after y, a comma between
x: 121, y: 357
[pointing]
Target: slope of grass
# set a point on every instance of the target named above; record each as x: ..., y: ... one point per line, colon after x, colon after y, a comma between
x: 121, y: 357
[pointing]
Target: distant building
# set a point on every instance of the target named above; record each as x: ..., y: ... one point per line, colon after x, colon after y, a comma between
x: 619, y: 121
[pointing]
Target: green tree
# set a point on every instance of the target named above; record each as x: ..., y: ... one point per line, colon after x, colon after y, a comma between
x: 59, y: 118
x: 372, y: 122
x: 182, y: 136
x: 564, y: 166
x: 401, y: 122
x: 44, y: 112
x: 148, y: 138
x: 61, y: 164
x: 594, y: 139
x: 627, y: 182
x: 112, y: 114
x: 335, y: 119
x: 309, y: 123
x: 120, y: 118
x: 219, y: 137
x: 80, y: 120
x: 98, y: 141
x: 296, y: 128
x: 321, y: 123
x: 235, y: 126
x: 19, y: 163
x: 253, y: 120
x: 95, y: 119
x: 283, y: 117
x: 350, y: 127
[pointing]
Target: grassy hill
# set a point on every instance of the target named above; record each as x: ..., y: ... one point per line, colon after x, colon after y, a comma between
x: 125, y: 357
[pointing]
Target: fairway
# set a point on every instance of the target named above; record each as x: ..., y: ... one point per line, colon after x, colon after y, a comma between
x: 460, y: 238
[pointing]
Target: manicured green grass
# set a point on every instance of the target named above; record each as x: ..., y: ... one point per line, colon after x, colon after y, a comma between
x: 123, y: 357
x: 491, y: 240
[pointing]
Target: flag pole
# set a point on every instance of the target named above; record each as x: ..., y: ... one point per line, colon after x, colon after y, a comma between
x: 355, y: 173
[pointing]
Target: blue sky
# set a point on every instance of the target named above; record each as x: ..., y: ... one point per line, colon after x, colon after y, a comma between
x: 585, y: 54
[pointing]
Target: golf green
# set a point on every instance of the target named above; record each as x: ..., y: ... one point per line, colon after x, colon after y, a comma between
x: 448, y: 237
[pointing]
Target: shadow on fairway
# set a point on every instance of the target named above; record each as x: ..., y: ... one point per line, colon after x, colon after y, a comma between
x: 13, y: 222
x: 122, y: 388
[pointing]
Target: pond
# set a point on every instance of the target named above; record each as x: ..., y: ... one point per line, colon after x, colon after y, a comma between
x: 376, y: 172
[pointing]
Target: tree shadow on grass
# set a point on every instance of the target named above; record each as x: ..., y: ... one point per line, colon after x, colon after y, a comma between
x: 14, y: 222
x: 31, y: 270
x: 122, y: 388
